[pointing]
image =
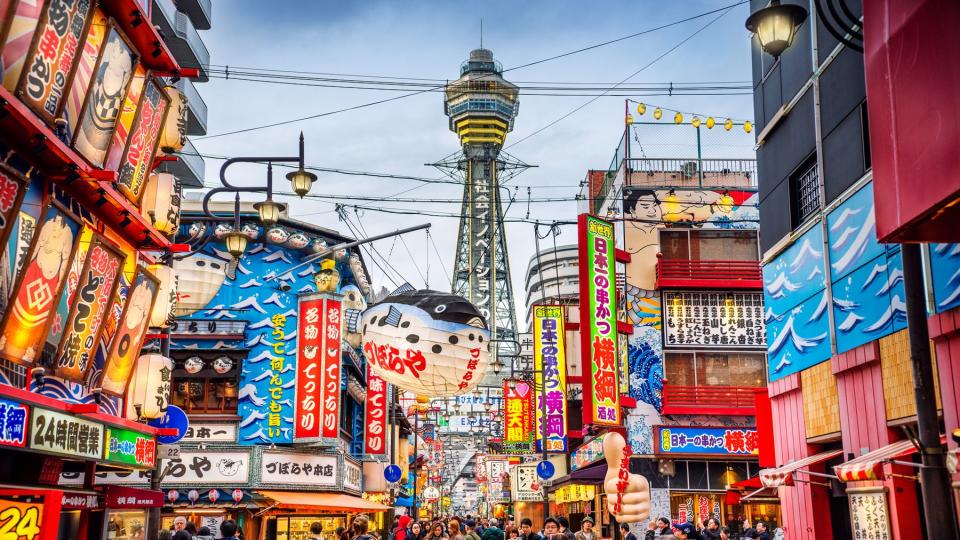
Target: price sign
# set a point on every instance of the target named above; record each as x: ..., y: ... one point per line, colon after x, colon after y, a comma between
x: 20, y: 520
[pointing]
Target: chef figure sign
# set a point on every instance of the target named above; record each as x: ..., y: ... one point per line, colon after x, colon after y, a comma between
x: 628, y: 495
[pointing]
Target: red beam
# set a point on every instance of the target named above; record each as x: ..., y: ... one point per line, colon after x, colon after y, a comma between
x: 136, y: 24
x: 621, y: 256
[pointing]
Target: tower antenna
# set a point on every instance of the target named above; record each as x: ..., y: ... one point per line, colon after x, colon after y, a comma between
x: 481, y: 32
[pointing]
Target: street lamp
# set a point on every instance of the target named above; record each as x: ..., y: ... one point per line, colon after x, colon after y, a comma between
x: 301, y: 181
x: 776, y: 26
x: 497, y: 365
x: 269, y: 212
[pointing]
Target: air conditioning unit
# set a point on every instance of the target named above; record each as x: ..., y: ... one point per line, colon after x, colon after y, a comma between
x: 689, y: 169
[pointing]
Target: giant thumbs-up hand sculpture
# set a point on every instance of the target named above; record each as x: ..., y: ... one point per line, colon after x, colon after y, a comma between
x: 628, y: 495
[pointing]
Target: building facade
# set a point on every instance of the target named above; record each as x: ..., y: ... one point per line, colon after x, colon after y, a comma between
x: 552, y: 278
x: 841, y: 385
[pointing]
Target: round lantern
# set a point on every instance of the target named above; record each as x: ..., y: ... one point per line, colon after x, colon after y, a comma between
x: 174, y: 133
x: 161, y: 202
x: 223, y: 364
x: 199, y: 278
x: 431, y: 343
x: 193, y: 365
x: 164, y: 307
x: 213, y: 495
x: 148, y: 392
x: 237, y: 495
x: 297, y: 241
x: 173, y: 495
x: 193, y: 495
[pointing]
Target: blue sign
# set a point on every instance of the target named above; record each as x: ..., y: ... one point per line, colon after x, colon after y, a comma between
x: 13, y: 423
x: 392, y: 473
x: 706, y: 440
x: 545, y: 470
x: 174, y: 418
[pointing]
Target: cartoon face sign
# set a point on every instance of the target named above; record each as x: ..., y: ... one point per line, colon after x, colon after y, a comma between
x: 53, y: 247
x: 327, y: 280
x: 250, y: 230
x: 229, y: 467
x: 193, y: 365
x: 222, y: 365
x: 277, y: 235
x: 297, y: 241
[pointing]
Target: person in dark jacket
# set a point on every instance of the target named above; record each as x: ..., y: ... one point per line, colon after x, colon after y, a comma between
x: 228, y: 529
x: 493, y: 532
x: 565, y: 528
x: 711, y: 530
x: 526, y: 530
x: 758, y: 531
x: 660, y: 527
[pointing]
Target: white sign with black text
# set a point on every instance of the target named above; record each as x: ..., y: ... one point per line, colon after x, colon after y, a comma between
x: 289, y: 468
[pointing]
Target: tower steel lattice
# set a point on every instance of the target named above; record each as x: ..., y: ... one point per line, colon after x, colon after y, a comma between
x: 482, y: 106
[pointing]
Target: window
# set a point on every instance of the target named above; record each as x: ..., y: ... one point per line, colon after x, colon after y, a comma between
x: 709, y: 245
x: 206, y: 390
x: 805, y: 191
x: 716, y: 369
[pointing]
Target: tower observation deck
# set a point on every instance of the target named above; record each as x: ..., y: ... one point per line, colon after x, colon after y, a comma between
x: 482, y: 106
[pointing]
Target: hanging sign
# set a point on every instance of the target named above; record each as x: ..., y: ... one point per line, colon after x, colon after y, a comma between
x: 63, y: 434
x: 310, y: 355
x: 705, y: 440
x: 212, y: 467
x: 22, y: 520
x: 352, y: 476
x: 518, y: 416
x: 550, y: 365
x: 130, y: 448
x: 173, y: 418
x: 128, y: 497
x: 868, y: 513
x: 308, y: 470
x: 721, y: 319
x: 13, y: 427
x: 375, y: 414
x: 125, y: 348
x: 330, y: 374
x: 142, y: 144
x: 589, y: 452
x: 601, y: 395
x: 211, y: 432
x: 525, y: 484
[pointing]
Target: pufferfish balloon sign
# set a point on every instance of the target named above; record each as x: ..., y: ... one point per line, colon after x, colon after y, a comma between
x: 430, y: 343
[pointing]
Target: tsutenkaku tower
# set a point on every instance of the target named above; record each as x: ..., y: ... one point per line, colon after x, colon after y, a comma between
x: 481, y: 106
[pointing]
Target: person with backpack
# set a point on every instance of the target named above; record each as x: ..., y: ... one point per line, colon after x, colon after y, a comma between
x: 471, y: 530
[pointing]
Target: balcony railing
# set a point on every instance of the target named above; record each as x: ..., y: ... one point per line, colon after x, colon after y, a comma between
x: 197, y: 107
x: 709, y: 274
x: 723, y: 400
x: 686, y: 172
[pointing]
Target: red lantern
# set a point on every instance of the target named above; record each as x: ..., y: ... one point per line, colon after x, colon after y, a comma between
x: 237, y: 495
x: 173, y: 495
x: 213, y: 495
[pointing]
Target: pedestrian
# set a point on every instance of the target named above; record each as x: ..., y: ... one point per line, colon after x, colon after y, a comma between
x: 471, y: 530
x: 551, y: 527
x: 400, y: 527
x: 758, y: 531
x: 660, y: 527
x: 191, y: 528
x: 360, y: 524
x: 512, y: 533
x: 436, y: 531
x: 685, y: 531
x: 228, y: 529
x: 711, y: 530
x: 526, y: 531
x: 165, y: 534
x: 316, y: 531
x: 565, y: 528
x: 493, y: 532
x: 203, y: 533
x: 586, y: 531
x: 625, y: 532
x: 726, y: 533
x: 453, y: 529
x: 180, y: 529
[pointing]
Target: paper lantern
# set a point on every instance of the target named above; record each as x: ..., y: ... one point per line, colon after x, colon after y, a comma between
x: 200, y: 277
x: 161, y: 201
x: 213, y: 495
x: 223, y: 364
x: 193, y: 365
x: 431, y: 343
x: 149, y: 390
x: 193, y: 495
x: 174, y: 133
x: 237, y: 495
x: 173, y: 495
x: 163, y: 312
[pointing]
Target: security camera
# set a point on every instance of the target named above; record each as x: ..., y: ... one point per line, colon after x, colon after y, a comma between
x: 37, y: 374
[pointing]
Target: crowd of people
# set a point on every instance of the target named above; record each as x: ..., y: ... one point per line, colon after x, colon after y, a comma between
x: 663, y: 529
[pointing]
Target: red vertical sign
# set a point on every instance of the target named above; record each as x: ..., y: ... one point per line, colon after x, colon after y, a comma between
x: 330, y: 376
x: 309, y: 358
x: 376, y: 414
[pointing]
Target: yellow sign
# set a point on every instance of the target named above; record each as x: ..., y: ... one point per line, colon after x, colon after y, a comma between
x: 20, y: 520
x: 575, y: 493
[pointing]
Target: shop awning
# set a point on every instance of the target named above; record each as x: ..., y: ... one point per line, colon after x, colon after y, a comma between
x: 869, y: 466
x: 778, y: 476
x: 330, y: 502
x: 592, y: 475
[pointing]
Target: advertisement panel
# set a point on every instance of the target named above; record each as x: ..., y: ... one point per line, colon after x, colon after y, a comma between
x: 51, y: 61
x: 598, y: 333
x: 11, y: 195
x: 87, y: 63
x: 13, y: 429
x: 375, y: 415
x: 330, y: 375
x: 125, y: 348
x: 18, y: 35
x: 525, y: 485
x: 58, y: 433
x: 705, y: 440
x: 95, y: 289
x: 125, y: 120
x: 289, y: 468
x: 130, y: 448
x: 518, y: 416
x: 309, y: 369
x: 713, y: 319
x: 39, y: 287
x: 137, y: 160
x: 550, y: 365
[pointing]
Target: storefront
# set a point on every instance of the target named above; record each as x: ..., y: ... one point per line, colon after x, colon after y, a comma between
x: 526, y: 493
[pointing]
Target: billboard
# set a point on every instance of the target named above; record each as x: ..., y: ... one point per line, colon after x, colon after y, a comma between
x: 550, y: 365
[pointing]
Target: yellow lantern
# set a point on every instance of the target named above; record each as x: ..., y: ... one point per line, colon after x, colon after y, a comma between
x: 728, y: 124
x: 174, y: 133
x: 199, y: 278
x: 678, y: 118
x: 657, y: 113
x: 641, y: 108
x: 671, y: 207
x: 695, y: 122
x: 748, y: 126
x: 161, y: 202
x: 629, y: 119
x: 164, y: 307
x: 148, y: 393
x: 711, y: 122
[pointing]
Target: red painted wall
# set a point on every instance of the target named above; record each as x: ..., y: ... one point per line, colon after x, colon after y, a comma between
x: 945, y: 332
x: 863, y: 418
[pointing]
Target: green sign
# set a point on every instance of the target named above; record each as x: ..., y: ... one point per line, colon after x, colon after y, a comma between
x: 130, y: 448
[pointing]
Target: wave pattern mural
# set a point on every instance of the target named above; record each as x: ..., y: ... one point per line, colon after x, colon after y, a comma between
x: 945, y: 267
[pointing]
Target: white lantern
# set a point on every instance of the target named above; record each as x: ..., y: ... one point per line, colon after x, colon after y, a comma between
x: 174, y: 134
x: 193, y: 365
x: 148, y: 392
x: 193, y: 495
x: 161, y: 202
x: 223, y: 364
x: 163, y: 312
x: 200, y: 277
x: 430, y: 343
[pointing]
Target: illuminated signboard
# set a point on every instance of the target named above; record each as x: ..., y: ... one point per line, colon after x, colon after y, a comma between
x: 66, y: 435
x: 375, y: 412
x: 705, y: 440
x: 332, y: 329
x: 598, y: 333
x: 142, y: 143
x: 132, y: 327
x: 525, y: 485
x: 309, y: 369
x: 13, y: 423
x: 518, y: 416
x: 130, y: 447
x: 550, y: 365
x: 720, y: 319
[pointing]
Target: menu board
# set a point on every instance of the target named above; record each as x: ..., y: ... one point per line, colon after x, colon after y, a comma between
x: 721, y: 319
x: 868, y: 514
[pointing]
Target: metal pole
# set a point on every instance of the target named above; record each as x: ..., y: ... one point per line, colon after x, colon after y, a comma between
x: 934, y: 478
x: 416, y: 457
x: 699, y: 159
x: 153, y: 517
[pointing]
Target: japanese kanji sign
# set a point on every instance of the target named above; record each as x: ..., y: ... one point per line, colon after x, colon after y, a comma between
x: 598, y: 306
x: 210, y: 432
x: 201, y: 467
x: 130, y: 448
x: 525, y: 485
x: 705, y: 440
x: 375, y: 414
x: 868, y: 513
x: 286, y: 468
x: 60, y: 433
x: 518, y: 416
x: 13, y: 423
x: 723, y: 319
x: 331, y: 330
x: 550, y: 365
x: 309, y: 369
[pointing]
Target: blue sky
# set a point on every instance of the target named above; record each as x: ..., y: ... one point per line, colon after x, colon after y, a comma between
x: 430, y: 39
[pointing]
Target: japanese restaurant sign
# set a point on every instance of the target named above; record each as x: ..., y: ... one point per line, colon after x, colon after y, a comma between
x: 723, y: 319
x: 518, y: 416
x: 705, y: 440
x: 550, y: 368
x: 130, y: 448
x: 131, y: 330
x: 142, y: 143
x: 13, y: 423
x: 598, y: 333
x: 213, y: 467
x: 63, y: 434
x: 308, y: 470
x: 375, y: 413
x: 211, y: 432
x: 589, y: 452
x: 330, y: 374
x: 309, y: 369
x: 525, y: 485
x: 868, y: 513
x: 277, y: 366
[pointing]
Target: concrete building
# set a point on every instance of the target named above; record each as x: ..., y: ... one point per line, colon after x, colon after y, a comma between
x: 552, y: 278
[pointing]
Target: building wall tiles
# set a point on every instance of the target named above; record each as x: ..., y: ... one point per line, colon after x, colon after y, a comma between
x: 821, y: 405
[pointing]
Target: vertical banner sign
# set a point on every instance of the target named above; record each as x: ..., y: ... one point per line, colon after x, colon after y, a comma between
x: 125, y: 348
x: 277, y: 366
x: 375, y: 411
x: 309, y: 370
x: 518, y: 416
x: 50, y: 64
x: 550, y: 365
x: 125, y: 120
x: 88, y: 54
x: 330, y: 379
x: 40, y: 284
x: 598, y: 316
x: 142, y: 144
x: 95, y: 289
